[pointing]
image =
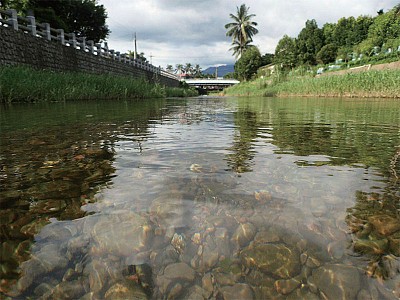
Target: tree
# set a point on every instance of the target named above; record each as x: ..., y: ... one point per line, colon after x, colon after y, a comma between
x: 248, y: 63
x: 85, y: 18
x: 267, y: 59
x: 179, y: 68
x: 197, y: 70
x: 238, y: 48
x: 19, y: 5
x: 169, y: 68
x: 328, y: 30
x: 188, y: 69
x: 385, y: 26
x: 327, y: 54
x: 286, y: 52
x: 309, y: 41
x: 241, y: 29
x: 139, y: 56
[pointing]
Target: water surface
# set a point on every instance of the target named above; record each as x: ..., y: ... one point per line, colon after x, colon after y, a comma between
x: 201, y: 198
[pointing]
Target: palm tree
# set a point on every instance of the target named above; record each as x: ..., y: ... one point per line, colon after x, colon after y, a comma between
x: 188, y: 68
x: 170, y: 68
x: 242, y: 28
x: 197, y: 70
x: 238, y: 49
x: 179, y: 68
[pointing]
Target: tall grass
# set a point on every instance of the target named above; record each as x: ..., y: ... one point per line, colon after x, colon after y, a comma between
x: 366, y: 84
x: 21, y: 84
x: 181, y: 92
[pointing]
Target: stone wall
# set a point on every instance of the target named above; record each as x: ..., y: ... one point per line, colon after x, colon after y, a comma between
x: 19, y: 48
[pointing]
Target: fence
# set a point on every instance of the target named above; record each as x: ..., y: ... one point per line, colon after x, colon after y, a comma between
x: 28, y: 25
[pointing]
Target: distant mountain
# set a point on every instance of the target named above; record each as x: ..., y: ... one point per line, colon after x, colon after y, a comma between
x: 222, y: 70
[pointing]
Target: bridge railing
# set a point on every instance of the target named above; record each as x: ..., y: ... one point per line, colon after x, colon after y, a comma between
x: 28, y: 25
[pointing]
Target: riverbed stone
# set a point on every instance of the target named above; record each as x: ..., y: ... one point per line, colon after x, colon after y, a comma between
x: 179, y: 271
x: 266, y: 236
x: 244, y: 234
x: 384, y: 224
x: 121, y: 234
x: 237, y: 291
x: 336, y: 281
x: 276, y: 259
x: 371, y: 246
x: 125, y: 290
x: 285, y: 287
x: 394, y: 244
x: 69, y: 290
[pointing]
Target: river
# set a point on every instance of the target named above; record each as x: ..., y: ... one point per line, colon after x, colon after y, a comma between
x: 201, y: 198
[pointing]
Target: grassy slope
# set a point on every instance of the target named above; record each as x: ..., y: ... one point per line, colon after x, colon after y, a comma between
x: 20, y: 84
x: 384, y: 83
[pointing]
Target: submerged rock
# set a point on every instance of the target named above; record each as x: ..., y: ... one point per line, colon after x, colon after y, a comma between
x: 244, y: 234
x: 121, y: 234
x: 385, y: 225
x: 238, y: 291
x: 125, y: 290
x: 336, y: 281
x: 276, y: 259
x: 179, y: 271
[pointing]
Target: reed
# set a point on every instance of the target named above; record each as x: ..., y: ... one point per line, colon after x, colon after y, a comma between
x: 21, y: 84
x: 181, y: 92
x: 384, y: 84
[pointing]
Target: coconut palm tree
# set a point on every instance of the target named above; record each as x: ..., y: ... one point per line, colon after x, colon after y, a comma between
x: 188, y: 69
x: 197, y: 70
x: 179, y: 69
x: 242, y: 28
x: 238, y: 49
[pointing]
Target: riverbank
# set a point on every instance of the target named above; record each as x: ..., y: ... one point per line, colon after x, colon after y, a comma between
x: 371, y: 84
x: 21, y: 84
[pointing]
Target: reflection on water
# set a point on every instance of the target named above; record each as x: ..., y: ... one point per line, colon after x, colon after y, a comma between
x: 202, y: 198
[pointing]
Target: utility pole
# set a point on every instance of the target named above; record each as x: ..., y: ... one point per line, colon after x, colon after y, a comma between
x: 135, y: 53
x: 151, y: 58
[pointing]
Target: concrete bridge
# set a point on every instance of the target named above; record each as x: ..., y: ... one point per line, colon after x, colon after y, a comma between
x: 206, y: 85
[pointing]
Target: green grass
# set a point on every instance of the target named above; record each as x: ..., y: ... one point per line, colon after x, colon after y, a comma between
x: 366, y: 84
x: 181, y: 92
x: 21, y: 84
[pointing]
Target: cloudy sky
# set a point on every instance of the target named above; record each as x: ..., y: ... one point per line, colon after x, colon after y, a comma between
x: 192, y: 31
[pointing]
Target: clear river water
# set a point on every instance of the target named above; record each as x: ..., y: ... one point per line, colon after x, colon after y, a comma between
x: 201, y: 198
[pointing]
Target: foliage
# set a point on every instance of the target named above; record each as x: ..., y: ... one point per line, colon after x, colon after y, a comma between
x: 385, y: 26
x: 18, y: 5
x: 230, y: 75
x: 239, y: 48
x: 267, y: 59
x: 241, y: 30
x: 309, y: 42
x: 350, y: 37
x: 20, y: 84
x: 286, y: 52
x: 181, y: 92
x: 248, y: 63
x: 364, y: 84
x: 140, y: 55
x: 327, y: 54
x: 85, y: 18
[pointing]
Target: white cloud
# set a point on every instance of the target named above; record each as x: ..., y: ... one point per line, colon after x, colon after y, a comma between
x: 182, y: 31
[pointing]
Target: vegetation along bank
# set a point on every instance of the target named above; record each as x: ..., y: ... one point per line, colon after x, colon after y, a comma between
x: 21, y: 84
x: 302, y: 65
x: 372, y: 84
